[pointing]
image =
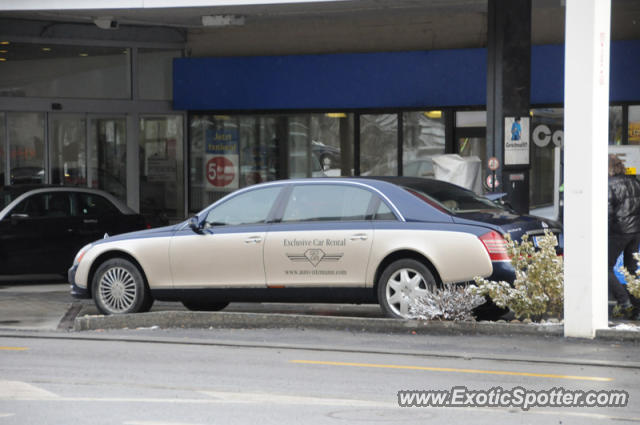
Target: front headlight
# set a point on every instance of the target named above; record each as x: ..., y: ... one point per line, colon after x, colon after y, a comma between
x: 81, y: 253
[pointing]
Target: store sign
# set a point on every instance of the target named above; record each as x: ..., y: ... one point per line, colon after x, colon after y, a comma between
x: 221, y: 161
x: 542, y: 135
x: 634, y: 133
x: 516, y: 141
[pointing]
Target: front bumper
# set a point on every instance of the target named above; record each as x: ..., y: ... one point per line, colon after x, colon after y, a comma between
x: 76, y: 291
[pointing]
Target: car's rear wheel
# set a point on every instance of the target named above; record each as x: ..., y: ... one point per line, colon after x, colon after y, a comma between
x: 118, y: 288
x: 204, y: 306
x: 400, y: 284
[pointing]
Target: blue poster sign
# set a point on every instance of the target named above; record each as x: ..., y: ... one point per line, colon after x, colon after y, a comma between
x: 222, y: 141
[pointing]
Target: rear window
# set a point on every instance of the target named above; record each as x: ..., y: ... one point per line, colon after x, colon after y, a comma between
x: 455, y: 199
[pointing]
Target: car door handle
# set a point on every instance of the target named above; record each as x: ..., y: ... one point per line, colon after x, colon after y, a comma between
x: 90, y: 221
x: 359, y: 237
x: 253, y: 239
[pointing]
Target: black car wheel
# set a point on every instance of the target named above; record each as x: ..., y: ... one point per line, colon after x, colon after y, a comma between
x: 402, y: 282
x: 118, y: 288
x: 204, y: 306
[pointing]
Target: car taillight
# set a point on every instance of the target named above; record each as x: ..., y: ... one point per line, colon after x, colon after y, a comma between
x: 496, y: 246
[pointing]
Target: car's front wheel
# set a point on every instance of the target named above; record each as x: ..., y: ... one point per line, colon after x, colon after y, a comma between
x: 204, y: 306
x: 400, y: 284
x: 118, y: 288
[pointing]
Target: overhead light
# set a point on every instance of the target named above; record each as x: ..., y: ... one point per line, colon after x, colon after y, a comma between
x: 336, y: 115
x: 222, y: 20
x: 4, y: 42
x: 106, y: 22
x: 433, y: 114
x: 3, y: 59
x: 84, y: 54
x: 46, y: 49
x: 4, y: 51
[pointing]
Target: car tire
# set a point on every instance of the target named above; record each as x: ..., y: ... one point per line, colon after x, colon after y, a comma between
x: 118, y: 287
x: 204, y: 306
x: 399, y: 282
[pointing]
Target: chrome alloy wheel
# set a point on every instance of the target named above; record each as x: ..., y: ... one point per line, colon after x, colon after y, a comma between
x: 117, y: 289
x: 404, y: 286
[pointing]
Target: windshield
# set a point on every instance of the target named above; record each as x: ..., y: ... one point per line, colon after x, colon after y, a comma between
x: 456, y: 199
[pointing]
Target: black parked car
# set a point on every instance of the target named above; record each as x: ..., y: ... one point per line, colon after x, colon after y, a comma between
x: 43, y: 227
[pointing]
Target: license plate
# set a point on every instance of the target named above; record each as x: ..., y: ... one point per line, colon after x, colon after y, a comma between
x: 535, y: 239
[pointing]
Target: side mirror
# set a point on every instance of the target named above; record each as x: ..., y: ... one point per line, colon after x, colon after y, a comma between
x: 194, y: 224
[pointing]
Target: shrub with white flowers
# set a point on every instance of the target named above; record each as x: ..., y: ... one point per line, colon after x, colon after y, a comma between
x: 633, y: 280
x: 451, y: 302
x: 538, y: 288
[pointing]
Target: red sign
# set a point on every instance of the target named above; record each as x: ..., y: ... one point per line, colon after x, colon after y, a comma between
x: 490, y: 182
x: 493, y: 163
x: 220, y: 171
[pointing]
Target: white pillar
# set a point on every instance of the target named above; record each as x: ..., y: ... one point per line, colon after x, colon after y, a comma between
x: 586, y: 120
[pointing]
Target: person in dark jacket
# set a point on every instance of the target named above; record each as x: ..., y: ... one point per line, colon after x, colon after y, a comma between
x: 624, y: 228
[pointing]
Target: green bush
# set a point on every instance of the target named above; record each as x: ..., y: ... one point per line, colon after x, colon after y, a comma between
x: 538, y: 288
x: 633, y: 280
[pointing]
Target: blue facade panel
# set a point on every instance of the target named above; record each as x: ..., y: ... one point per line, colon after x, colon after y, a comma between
x: 340, y: 81
x: 435, y: 78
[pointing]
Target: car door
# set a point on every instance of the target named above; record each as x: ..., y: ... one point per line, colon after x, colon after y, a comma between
x: 95, y: 216
x: 37, y: 235
x: 229, y: 251
x: 323, y: 238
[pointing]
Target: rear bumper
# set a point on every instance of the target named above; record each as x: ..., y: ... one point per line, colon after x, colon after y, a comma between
x: 76, y: 291
x: 503, y: 271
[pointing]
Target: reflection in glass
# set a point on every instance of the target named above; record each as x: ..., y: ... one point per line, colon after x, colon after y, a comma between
x: 423, y: 137
x: 68, y: 150
x: 615, y: 125
x: 26, y: 147
x: 547, y: 126
x: 161, y: 169
x: 73, y: 71
x: 107, y: 155
x: 634, y: 125
x: 3, y: 143
x: 154, y: 73
x: 379, y: 145
x: 473, y: 146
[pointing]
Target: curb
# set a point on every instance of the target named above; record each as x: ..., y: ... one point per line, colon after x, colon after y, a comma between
x: 233, y: 320
x: 237, y: 320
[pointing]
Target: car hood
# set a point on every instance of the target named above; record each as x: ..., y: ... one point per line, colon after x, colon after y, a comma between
x: 514, y: 224
x: 147, y: 233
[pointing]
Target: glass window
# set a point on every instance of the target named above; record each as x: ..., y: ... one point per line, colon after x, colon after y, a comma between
x: 332, y: 142
x: 615, y: 125
x: 48, y: 205
x: 26, y: 147
x: 634, y: 125
x: 94, y: 205
x: 3, y: 144
x: 155, y: 71
x: 423, y: 137
x: 327, y: 203
x: 40, y: 70
x: 471, y: 119
x: 251, y: 207
x: 161, y: 168
x: 108, y: 155
x: 379, y: 145
x: 384, y: 213
x: 68, y: 134
x: 547, y: 130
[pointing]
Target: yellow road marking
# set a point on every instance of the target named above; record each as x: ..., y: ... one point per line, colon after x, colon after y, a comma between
x: 14, y: 348
x: 449, y: 369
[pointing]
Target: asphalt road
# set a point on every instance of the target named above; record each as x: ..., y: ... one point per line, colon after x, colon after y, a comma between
x: 63, y: 381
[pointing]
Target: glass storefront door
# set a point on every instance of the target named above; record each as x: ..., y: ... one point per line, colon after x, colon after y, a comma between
x: 107, y: 153
x: 161, y: 168
x: 26, y: 147
x: 68, y: 143
x: 379, y: 144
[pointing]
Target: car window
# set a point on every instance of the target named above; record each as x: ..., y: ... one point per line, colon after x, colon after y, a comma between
x: 56, y: 204
x: 327, y: 203
x: 94, y: 205
x: 246, y: 208
x: 384, y: 213
x: 456, y: 199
